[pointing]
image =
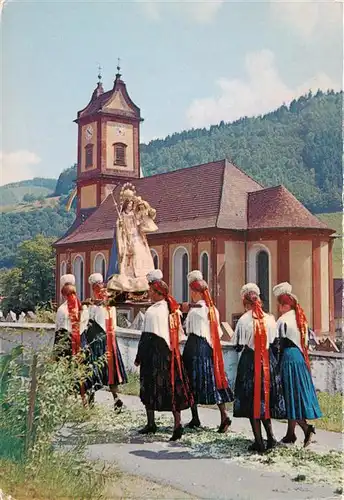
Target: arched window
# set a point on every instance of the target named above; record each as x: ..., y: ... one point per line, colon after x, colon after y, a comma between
x: 78, y: 271
x: 180, y: 272
x: 63, y: 268
x: 100, y: 264
x: 155, y: 258
x: 259, y: 271
x: 120, y: 154
x: 263, y: 277
x: 89, y: 155
x: 204, y: 266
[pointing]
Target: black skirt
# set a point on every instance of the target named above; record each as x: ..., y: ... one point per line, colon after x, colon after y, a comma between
x: 154, y: 357
x: 244, y: 388
x: 97, y: 359
x: 63, y: 349
x: 199, y: 364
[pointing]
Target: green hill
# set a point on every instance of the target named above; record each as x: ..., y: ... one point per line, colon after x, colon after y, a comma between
x: 51, y: 220
x: 16, y: 192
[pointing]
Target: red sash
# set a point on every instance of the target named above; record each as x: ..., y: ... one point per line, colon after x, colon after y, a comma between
x: 219, y: 366
x: 261, y: 358
x: 74, y: 310
x: 111, y: 349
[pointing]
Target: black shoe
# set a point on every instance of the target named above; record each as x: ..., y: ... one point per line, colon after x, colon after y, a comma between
x: 177, y: 434
x: 118, y: 405
x: 308, y: 435
x: 193, y: 424
x: 148, y: 429
x: 271, y: 443
x: 224, y: 426
x: 257, y: 447
x: 289, y: 439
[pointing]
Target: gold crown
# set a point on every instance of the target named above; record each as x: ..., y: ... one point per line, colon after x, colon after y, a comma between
x: 128, y: 192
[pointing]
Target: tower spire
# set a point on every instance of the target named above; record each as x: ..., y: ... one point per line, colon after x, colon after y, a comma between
x: 99, y: 89
x: 99, y: 74
x: 118, y: 74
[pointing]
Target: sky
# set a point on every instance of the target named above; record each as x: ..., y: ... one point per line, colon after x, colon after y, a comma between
x: 186, y: 64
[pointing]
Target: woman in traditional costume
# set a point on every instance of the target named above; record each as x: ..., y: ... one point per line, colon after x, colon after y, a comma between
x: 71, y: 324
x: 202, y: 356
x: 106, y: 356
x: 163, y: 381
x: 299, y: 392
x: 258, y: 386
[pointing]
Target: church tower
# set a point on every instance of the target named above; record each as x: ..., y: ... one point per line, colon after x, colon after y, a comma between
x: 108, y: 144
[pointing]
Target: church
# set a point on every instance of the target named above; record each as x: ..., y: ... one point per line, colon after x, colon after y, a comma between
x: 211, y: 217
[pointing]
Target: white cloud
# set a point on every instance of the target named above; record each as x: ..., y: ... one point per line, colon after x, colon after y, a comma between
x: 201, y: 11
x: 17, y: 166
x: 262, y: 91
x: 307, y: 17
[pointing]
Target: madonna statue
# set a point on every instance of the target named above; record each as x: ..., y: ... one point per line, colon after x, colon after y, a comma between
x: 134, y: 259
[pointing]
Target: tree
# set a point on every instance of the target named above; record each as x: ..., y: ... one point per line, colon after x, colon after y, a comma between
x: 29, y: 197
x: 11, y: 290
x: 32, y: 282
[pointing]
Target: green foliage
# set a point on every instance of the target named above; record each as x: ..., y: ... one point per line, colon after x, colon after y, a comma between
x: 11, y: 194
x: 32, y: 451
x: 17, y: 227
x: 66, y: 181
x: 299, y: 147
x: 32, y: 282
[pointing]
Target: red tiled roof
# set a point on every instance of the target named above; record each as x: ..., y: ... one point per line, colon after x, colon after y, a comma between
x: 276, y: 207
x: 213, y: 195
x: 200, y: 197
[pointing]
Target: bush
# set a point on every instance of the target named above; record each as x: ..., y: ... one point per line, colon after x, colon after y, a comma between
x: 36, y: 403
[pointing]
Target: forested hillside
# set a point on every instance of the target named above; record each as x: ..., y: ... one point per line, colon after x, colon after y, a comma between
x: 16, y: 192
x: 17, y: 227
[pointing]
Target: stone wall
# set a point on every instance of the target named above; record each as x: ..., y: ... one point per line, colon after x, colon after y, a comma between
x: 327, y: 367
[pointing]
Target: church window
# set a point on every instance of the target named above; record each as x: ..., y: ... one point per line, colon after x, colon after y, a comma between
x: 180, y: 272
x: 263, y: 278
x: 120, y: 154
x: 100, y: 265
x: 155, y: 258
x: 78, y: 271
x: 204, y: 267
x: 63, y: 269
x: 89, y: 155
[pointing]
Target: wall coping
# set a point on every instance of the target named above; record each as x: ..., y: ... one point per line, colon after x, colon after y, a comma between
x: 134, y: 334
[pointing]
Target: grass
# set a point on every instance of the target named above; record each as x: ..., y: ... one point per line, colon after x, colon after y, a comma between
x: 334, y: 221
x: 132, y: 388
x: 332, y: 408
x: 56, y: 477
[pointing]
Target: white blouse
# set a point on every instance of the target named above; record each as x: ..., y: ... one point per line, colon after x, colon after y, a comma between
x: 287, y: 328
x: 100, y: 314
x: 63, y: 322
x: 197, y: 322
x: 156, y: 321
x: 244, y: 333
